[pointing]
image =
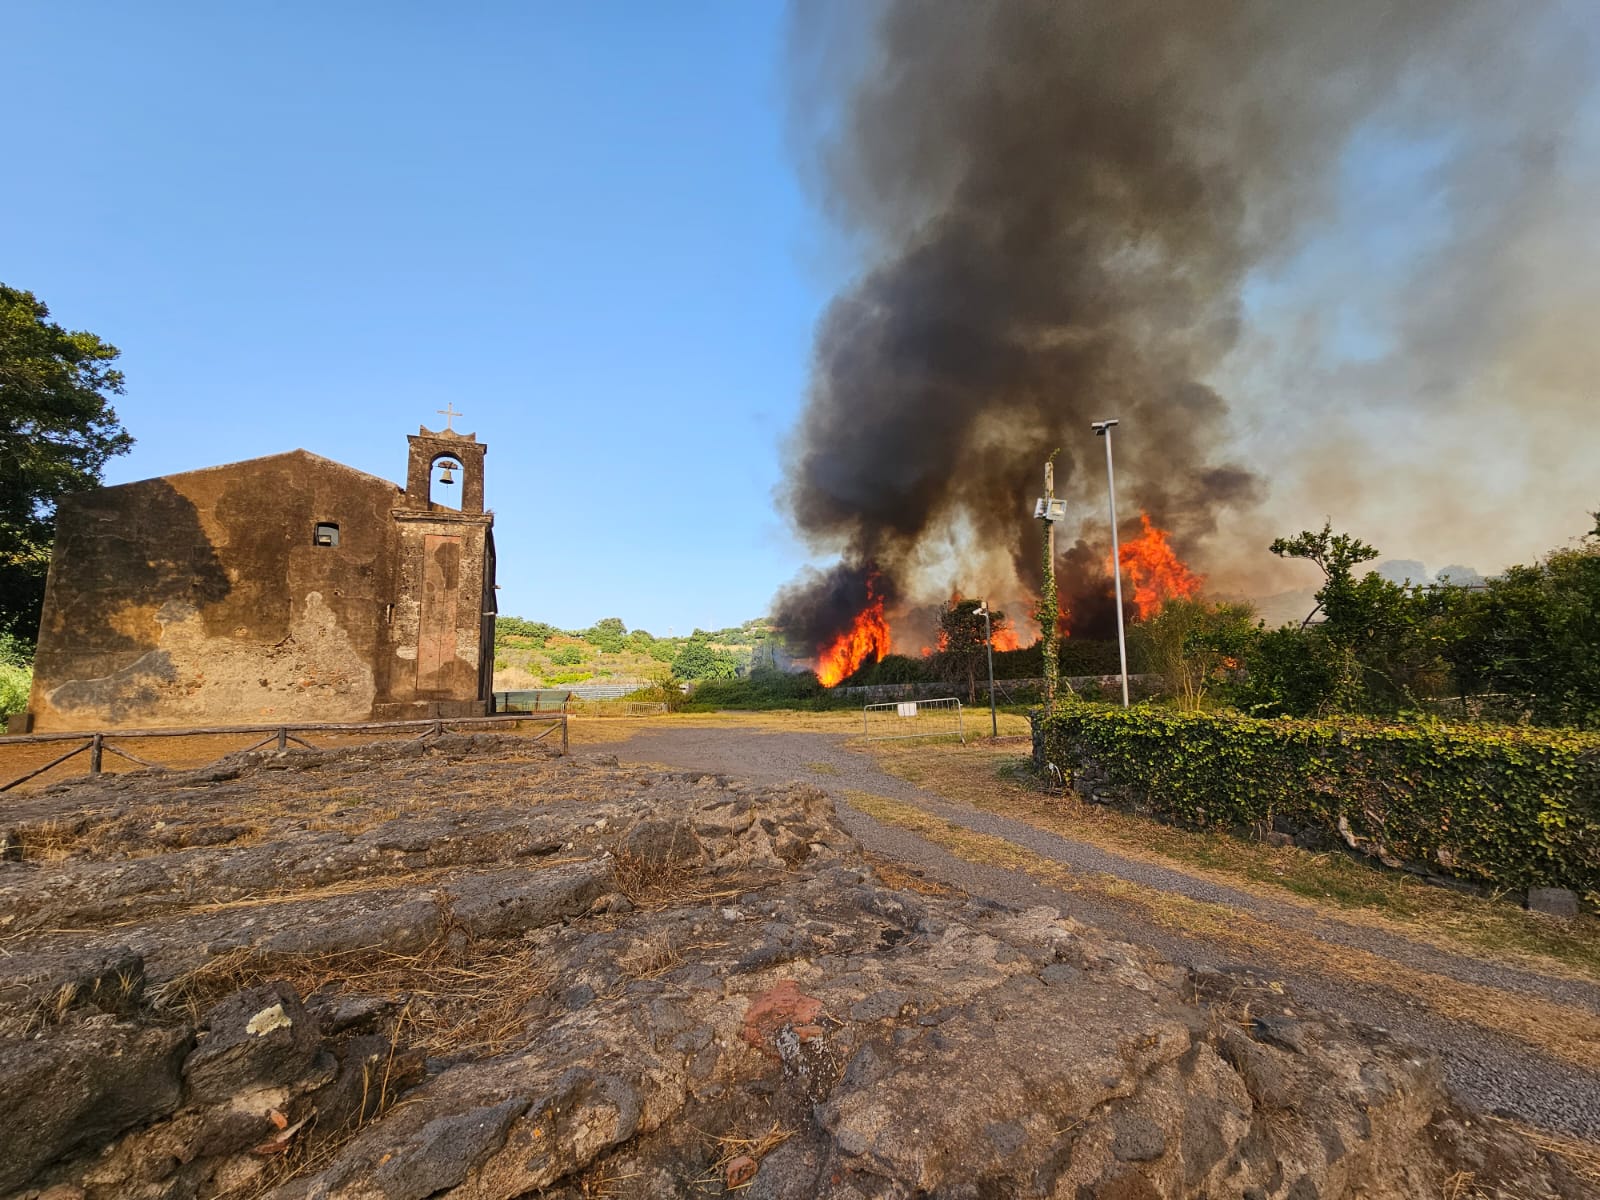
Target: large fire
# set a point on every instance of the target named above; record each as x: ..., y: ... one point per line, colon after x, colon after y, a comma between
x: 1006, y: 639
x: 868, y: 636
x: 1155, y: 572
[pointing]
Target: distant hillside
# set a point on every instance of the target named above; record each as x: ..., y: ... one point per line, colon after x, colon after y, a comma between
x: 534, y: 654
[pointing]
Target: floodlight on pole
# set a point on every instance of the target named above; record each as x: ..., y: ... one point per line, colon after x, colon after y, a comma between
x: 988, y: 642
x: 1103, y: 429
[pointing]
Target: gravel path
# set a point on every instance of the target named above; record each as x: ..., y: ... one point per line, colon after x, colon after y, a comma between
x: 1493, y: 1071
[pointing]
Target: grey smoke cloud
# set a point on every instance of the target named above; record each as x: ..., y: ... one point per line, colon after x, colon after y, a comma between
x: 1058, y: 207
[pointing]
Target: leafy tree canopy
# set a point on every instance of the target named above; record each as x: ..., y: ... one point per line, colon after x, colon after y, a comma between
x: 698, y: 659
x: 57, y: 432
x: 964, y: 641
x: 606, y: 635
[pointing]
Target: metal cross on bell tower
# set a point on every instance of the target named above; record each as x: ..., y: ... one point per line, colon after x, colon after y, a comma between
x: 449, y: 413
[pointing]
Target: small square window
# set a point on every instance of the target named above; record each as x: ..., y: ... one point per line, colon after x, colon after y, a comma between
x: 327, y: 534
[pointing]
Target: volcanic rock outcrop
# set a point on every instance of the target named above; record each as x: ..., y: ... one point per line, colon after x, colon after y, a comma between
x: 469, y: 969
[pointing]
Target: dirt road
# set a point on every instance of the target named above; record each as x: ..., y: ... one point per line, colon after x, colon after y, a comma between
x: 1514, y: 1039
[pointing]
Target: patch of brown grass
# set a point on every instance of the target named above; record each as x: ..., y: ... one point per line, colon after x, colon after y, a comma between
x: 1581, y: 1157
x: 999, y: 782
x: 653, y: 955
x: 456, y: 995
x: 731, y: 1147
x: 898, y: 876
x: 1567, y: 1032
x: 657, y: 883
x: 975, y: 847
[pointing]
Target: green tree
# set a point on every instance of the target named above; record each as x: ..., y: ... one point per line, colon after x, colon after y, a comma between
x: 606, y: 635
x: 1196, y: 645
x: 698, y: 659
x: 1336, y: 554
x: 1383, y: 641
x: 535, y: 632
x: 1533, y: 634
x: 57, y: 432
x: 565, y: 656
x: 963, y: 646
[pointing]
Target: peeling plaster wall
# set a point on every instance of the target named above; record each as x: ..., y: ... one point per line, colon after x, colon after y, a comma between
x: 202, y: 598
x: 443, y: 571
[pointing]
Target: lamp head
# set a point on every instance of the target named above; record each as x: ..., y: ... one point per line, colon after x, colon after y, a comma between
x: 1100, y: 427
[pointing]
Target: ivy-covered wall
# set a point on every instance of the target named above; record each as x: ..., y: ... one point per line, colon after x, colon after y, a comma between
x: 1509, y: 807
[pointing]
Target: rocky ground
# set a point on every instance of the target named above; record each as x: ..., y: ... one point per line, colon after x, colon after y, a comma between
x: 467, y: 968
x: 1516, y: 1035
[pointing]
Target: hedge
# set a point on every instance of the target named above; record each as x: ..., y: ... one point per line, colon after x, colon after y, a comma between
x: 1509, y: 807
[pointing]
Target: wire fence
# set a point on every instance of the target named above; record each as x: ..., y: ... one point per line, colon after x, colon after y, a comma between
x: 913, y: 719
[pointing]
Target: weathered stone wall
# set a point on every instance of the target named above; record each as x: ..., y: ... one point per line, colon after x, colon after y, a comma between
x: 205, y: 599
x: 202, y: 598
x: 442, y: 641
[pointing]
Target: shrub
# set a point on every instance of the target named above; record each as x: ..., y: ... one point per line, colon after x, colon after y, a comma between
x: 699, y: 659
x: 532, y: 633
x: 565, y: 656
x: 15, y: 683
x: 765, y: 689
x: 662, y: 689
x: 16, y: 674
x: 606, y: 635
x: 562, y: 677
x: 1508, y: 807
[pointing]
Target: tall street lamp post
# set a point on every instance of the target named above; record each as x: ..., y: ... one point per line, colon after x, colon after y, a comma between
x: 988, y: 642
x: 1103, y: 429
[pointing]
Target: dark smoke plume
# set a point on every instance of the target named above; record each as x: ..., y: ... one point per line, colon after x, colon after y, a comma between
x: 1058, y: 204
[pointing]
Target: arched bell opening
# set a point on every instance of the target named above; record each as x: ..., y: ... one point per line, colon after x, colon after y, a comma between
x: 446, y: 481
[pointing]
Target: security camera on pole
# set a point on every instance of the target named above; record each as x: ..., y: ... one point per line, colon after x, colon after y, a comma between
x: 1103, y: 429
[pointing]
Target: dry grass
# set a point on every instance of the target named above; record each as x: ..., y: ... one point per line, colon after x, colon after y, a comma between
x: 653, y: 955
x: 599, y: 731
x: 177, y: 752
x: 456, y: 994
x: 654, y: 884
x: 731, y: 1147
x: 1580, y: 1157
x: 982, y: 848
x: 999, y: 782
x: 1564, y: 1031
x: 897, y: 876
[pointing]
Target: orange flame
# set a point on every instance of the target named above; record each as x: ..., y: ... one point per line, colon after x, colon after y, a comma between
x: 1155, y: 572
x: 868, y: 635
x: 1006, y: 639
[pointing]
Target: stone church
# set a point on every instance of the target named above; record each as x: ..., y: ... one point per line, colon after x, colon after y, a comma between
x: 287, y: 589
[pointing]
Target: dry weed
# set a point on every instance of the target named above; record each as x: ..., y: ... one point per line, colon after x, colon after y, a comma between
x: 895, y: 875
x: 656, y: 954
x: 460, y: 994
x: 1581, y: 1157
x: 654, y: 884
x: 731, y: 1147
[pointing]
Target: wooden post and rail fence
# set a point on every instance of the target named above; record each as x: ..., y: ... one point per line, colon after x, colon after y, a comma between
x: 97, y: 743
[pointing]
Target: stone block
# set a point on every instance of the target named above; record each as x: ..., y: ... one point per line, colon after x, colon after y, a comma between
x: 1553, y: 902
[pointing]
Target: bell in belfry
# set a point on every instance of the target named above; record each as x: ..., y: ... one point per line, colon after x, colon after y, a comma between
x: 444, y: 471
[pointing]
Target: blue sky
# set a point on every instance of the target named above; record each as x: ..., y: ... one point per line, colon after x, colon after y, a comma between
x: 315, y: 224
